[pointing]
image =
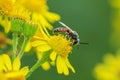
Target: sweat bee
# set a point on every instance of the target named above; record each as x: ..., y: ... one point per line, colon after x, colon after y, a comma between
x: 73, y: 35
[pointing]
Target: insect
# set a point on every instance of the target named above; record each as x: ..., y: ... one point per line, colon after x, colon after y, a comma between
x: 73, y: 35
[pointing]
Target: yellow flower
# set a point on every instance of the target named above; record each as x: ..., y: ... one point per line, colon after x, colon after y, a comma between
x: 39, y: 12
x: 6, y: 7
x: 8, y: 10
x: 40, y: 34
x: 11, y: 71
x: 109, y: 69
x: 60, y: 46
x: 33, y: 10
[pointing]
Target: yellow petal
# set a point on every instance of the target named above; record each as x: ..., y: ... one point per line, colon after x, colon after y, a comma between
x: 59, y: 65
x: 39, y: 55
x: 52, y: 17
x: 53, y: 56
x: 44, y: 33
x: 16, y: 64
x: 24, y: 70
x: 7, y: 62
x: 43, y: 48
x: 65, y: 68
x: 104, y: 72
x: 13, y: 74
x: 2, y: 76
x: 1, y: 64
x: 43, y: 22
x: 7, y: 25
x: 38, y: 43
x: 46, y: 66
x: 69, y: 65
x: 28, y: 47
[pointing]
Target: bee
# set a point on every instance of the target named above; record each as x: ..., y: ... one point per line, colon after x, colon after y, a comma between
x: 73, y: 35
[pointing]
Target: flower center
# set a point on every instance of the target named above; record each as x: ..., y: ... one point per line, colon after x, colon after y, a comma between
x: 60, y: 45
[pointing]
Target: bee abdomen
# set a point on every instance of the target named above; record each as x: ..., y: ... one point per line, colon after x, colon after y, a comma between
x: 60, y: 29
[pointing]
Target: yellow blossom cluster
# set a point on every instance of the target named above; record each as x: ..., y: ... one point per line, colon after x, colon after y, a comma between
x: 29, y: 21
x: 11, y: 70
x: 60, y: 49
x: 36, y: 11
x: 109, y: 69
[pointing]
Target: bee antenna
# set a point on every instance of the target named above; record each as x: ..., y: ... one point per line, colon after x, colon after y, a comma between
x: 86, y: 43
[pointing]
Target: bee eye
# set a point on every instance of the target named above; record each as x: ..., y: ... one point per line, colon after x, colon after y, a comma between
x: 75, y: 42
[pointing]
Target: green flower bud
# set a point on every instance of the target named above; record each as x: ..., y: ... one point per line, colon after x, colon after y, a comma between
x: 29, y: 29
x: 16, y: 24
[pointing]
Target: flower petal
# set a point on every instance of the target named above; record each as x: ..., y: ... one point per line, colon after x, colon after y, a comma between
x: 44, y: 23
x: 1, y: 64
x: 3, y: 76
x: 6, y: 24
x: 53, y: 56
x: 13, y: 74
x: 69, y: 65
x: 65, y: 68
x: 46, y: 66
x: 24, y: 70
x: 16, y: 64
x: 59, y: 65
x: 7, y: 62
x: 38, y: 43
x: 43, y: 48
x: 52, y: 17
x: 39, y: 55
x: 28, y: 47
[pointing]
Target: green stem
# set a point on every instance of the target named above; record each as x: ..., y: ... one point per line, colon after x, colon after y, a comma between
x: 26, y: 39
x: 15, y: 43
x: 45, y: 57
x: 35, y: 66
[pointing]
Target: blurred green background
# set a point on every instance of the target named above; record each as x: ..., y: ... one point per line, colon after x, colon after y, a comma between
x: 91, y: 19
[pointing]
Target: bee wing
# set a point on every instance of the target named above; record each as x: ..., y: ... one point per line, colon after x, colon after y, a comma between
x: 65, y: 26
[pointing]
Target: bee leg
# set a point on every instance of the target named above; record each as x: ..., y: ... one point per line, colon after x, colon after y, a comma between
x: 66, y: 35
